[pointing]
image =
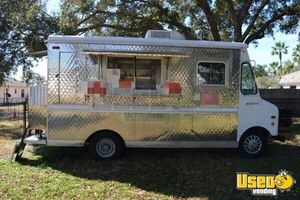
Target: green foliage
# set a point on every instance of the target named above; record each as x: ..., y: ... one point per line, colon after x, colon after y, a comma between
x: 287, y: 68
x: 26, y: 24
x: 261, y: 71
x: 196, y: 19
x: 267, y: 76
x: 296, y: 54
x: 279, y: 49
x: 267, y: 81
x: 273, y: 68
x: 31, y: 77
x: 24, y: 28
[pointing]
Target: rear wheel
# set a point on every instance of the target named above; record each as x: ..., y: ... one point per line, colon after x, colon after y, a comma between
x: 253, y: 144
x: 106, y: 146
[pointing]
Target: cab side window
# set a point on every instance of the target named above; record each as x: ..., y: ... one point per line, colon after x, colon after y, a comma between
x: 248, y: 85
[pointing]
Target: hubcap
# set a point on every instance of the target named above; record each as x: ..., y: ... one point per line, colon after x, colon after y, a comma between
x: 105, y: 147
x: 252, y: 144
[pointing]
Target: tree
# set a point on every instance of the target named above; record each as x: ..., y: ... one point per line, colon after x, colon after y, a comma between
x: 26, y: 23
x: 24, y: 28
x: 229, y: 20
x: 30, y: 76
x: 287, y: 68
x: 279, y: 49
x: 267, y: 82
x: 260, y: 71
x: 296, y: 58
x: 267, y: 78
x: 273, y: 68
x: 296, y: 54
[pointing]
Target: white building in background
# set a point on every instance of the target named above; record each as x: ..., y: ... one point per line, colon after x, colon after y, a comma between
x: 13, y: 90
x: 291, y: 80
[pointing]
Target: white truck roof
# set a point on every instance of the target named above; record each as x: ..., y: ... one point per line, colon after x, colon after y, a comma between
x: 144, y: 41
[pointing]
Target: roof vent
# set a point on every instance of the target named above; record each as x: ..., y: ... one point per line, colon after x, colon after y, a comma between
x: 161, y: 34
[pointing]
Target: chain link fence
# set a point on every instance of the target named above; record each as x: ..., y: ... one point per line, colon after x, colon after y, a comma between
x: 12, y: 118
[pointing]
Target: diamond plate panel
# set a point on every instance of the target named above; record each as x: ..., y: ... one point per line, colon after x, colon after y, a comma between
x: 143, y: 125
x: 37, y: 117
x: 79, y: 125
x: 185, y: 127
x: 163, y: 127
x: 215, y: 127
x: 53, y: 80
x: 71, y: 73
x: 76, y: 66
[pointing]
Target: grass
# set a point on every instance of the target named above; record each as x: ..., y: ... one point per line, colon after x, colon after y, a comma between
x: 10, y: 131
x: 68, y: 173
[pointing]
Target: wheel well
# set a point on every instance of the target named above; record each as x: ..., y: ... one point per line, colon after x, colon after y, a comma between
x: 258, y: 129
x: 88, y: 140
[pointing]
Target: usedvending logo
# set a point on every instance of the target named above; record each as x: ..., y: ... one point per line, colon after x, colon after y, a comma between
x: 265, y: 184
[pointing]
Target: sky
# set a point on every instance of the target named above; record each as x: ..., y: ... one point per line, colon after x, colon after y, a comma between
x: 261, y: 53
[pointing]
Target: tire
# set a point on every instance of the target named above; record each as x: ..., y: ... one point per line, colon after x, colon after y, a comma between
x: 253, y: 144
x: 106, y: 146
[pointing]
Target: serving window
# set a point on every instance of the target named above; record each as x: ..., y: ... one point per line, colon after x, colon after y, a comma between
x: 126, y: 66
x: 142, y: 74
x: 123, y: 75
x: 148, y: 74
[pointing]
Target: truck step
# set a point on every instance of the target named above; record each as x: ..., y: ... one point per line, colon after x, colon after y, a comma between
x: 35, y: 139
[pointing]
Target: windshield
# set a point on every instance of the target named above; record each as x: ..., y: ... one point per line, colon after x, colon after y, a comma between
x: 248, y: 85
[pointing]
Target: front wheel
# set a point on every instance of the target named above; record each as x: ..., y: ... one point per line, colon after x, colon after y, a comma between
x: 105, y: 146
x: 253, y: 144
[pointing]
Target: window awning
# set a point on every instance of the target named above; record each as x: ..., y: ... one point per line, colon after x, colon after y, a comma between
x: 146, y: 54
x: 38, y: 54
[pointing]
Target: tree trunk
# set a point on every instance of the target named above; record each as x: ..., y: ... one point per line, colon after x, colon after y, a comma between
x: 280, y: 59
x: 210, y: 18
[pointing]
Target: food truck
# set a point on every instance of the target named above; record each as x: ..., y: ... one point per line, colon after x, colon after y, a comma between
x: 161, y: 91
